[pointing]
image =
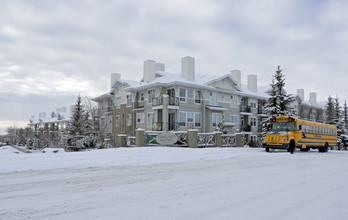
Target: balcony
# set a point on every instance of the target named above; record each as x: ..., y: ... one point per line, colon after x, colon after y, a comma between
x: 245, y: 108
x: 261, y: 111
x: 174, y: 101
x: 157, y: 101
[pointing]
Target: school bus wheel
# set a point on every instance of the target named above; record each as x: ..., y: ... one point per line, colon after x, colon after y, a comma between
x: 292, y: 147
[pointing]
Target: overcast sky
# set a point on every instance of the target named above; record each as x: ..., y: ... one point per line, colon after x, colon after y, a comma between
x: 51, y: 51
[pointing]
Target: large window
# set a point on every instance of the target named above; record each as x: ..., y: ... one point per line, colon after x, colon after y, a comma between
x: 213, y: 98
x: 140, y: 117
x: 141, y: 97
x: 253, y: 121
x: 234, y: 103
x: 190, y: 117
x: 129, y: 119
x: 182, y: 119
x: 149, y: 120
x: 253, y: 103
x: 234, y: 119
x: 197, y: 97
x: 287, y: 126
x: 150, y: 96
x: 216, y: 118
x: 198, y: 119
x: 129, y: 100
x: 118, y: 102
x: 182, y: 94
x: 190, y: 93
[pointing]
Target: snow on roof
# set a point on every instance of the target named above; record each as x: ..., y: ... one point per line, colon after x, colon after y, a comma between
x: 201, y: 81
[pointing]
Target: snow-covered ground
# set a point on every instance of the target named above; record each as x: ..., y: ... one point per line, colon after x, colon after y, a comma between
x: 173, y: 183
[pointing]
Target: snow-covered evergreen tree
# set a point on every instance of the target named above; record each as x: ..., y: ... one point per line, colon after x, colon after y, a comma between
x: 79, y: 133
x: 330, y: 111
x: 279, y: 102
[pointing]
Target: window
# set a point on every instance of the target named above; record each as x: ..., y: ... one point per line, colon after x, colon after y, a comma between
x: 150, y: 96
x: 102, y: 122
x: 182, y: 95
x: 242, y: 121
x: 253, y: 138
x: 118, y: 102
x: 234, y: 119
x: 171, y: 92
x: 129, y: 100
x: 216, y: 118
x: 110, y: 119
x: 253, y: 121
x: 253, y: 103
x: 234, y: 101
x: 213, y: 98
x: 198, y: 117
x: 117, y: 120
x: 141, y: 97
x: 129, y: 119
x: 189, y: 117
x: 198, y: 97
x: 182, y: 119
x: 149, y: 120
x: 140, y: 117
x: 190, y: 93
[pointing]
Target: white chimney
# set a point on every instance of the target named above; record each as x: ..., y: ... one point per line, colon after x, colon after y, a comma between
x: 114, y: 78
x: 42, y: 115
x: 188, y: 68
x: 149, y: 70
x: 160, y: 67
x: 236, y: 75
x: 313, y: 98
x: 252, y: 83
x: 300, y: 93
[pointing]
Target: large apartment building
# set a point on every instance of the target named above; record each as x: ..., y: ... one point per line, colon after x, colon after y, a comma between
x: 163, y: 101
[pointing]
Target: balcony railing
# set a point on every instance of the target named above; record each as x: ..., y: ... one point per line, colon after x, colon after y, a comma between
x: 171, y: 101
x: 245, y: 108
x: 171, y: 126
x: 157, y: 101
x: 261, y: 111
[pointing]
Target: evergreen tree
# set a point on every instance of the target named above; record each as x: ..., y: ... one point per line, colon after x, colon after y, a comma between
x: 79, y: 133
x: 330, y: 111
x: 345, y: 113
x: 279, y: 102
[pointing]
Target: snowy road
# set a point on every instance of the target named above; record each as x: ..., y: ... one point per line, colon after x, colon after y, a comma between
x: 219, y: 183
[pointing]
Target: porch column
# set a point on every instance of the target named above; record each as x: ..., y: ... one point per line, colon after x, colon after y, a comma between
x: 165, y: 112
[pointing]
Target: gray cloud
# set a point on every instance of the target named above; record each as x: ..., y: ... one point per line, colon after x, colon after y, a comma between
x: 63, y: 48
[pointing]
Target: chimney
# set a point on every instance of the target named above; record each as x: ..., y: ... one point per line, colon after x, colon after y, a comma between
x: 160, y: 67
x: 300, y: 93
x: 188, y: 68
x: 114, y: 78
x: 252, y: 83
x: 149, y: 70
x: 236, y: 75
x: 313, y: 98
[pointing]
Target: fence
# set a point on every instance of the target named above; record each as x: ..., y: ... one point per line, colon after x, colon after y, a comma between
x: 184, y: 139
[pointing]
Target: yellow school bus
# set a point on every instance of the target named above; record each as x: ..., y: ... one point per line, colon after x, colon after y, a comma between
x: 290, y: 133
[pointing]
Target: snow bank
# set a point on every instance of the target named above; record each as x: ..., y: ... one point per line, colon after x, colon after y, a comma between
x: 10, y: 162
